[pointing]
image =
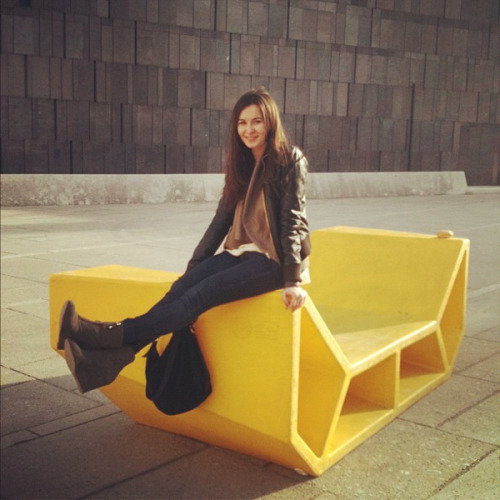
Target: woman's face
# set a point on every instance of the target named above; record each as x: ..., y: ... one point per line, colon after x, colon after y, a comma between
x: 252, y: 130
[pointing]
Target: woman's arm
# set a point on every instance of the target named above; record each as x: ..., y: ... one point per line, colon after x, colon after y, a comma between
x: 293, y: 222
x: 294, y: 229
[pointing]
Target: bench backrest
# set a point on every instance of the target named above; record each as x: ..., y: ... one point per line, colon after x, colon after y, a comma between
x: 384, y: 273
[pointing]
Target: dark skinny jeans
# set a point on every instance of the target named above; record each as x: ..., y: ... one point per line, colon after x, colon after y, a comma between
x: 217, y: 280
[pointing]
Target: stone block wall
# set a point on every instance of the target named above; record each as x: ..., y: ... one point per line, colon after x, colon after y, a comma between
x: 147, y: 86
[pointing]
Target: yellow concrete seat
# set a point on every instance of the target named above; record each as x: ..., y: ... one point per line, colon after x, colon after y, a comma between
x: 381, y: 328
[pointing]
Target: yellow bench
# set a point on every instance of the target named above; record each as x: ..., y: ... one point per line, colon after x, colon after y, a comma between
x: 381, y: 328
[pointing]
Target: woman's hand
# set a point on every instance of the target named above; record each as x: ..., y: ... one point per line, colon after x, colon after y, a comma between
x: 294, y: 297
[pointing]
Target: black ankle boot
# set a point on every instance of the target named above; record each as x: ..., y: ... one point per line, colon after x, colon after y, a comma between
x: 89, y: 334
x: 95, y: 368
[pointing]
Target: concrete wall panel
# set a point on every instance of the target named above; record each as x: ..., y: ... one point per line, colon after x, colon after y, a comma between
x: 90, y: 86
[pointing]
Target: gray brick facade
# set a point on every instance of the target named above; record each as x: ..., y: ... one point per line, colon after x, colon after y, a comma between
x: 146, y: 86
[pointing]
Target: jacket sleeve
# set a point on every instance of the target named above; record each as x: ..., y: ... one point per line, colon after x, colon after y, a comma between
x: 214, y: 235
x: 293, y: 222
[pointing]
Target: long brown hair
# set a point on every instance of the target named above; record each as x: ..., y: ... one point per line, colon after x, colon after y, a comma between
x: 239, y: 158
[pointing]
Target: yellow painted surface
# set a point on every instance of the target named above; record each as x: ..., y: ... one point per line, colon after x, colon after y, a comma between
x: 381, y: 328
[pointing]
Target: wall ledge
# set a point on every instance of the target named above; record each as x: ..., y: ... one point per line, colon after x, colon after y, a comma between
x: 104, y: 189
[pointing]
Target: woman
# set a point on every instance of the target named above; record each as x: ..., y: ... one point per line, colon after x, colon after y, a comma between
x: 260, y: 218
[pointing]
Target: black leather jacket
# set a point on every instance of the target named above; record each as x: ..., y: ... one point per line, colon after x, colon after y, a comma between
x: 285, y: 205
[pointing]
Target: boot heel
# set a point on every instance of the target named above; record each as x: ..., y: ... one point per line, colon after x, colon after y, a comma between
x: 72, y: 354
x: 94, y: 368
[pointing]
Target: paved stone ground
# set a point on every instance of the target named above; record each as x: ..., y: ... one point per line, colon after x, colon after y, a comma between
x: 59, y: 444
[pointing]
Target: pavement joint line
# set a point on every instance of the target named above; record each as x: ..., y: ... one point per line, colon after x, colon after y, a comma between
x: 73, y: 426
x: 26, y: 279
x: 38, y: 435
x: 463, y: 471
x: 23, y: 303
x: 71, y: 249
x: 24, y: 438
x: 50, y: 356
x: 470, y: 337
x: 450, y: 433
x: 484, y: 290
x: 482, y: 360
x: 20, y: 373
x: 438, y: 426
x: 144, y: 472
x: 465, y: 410
x: 20, y: 311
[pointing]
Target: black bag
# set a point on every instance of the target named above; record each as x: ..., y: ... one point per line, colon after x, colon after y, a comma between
x: 178, y: 380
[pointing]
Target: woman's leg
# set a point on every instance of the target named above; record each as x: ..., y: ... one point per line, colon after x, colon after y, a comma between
x: 218, y: 280
x: 210, y: 266
x: 98, y: 335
